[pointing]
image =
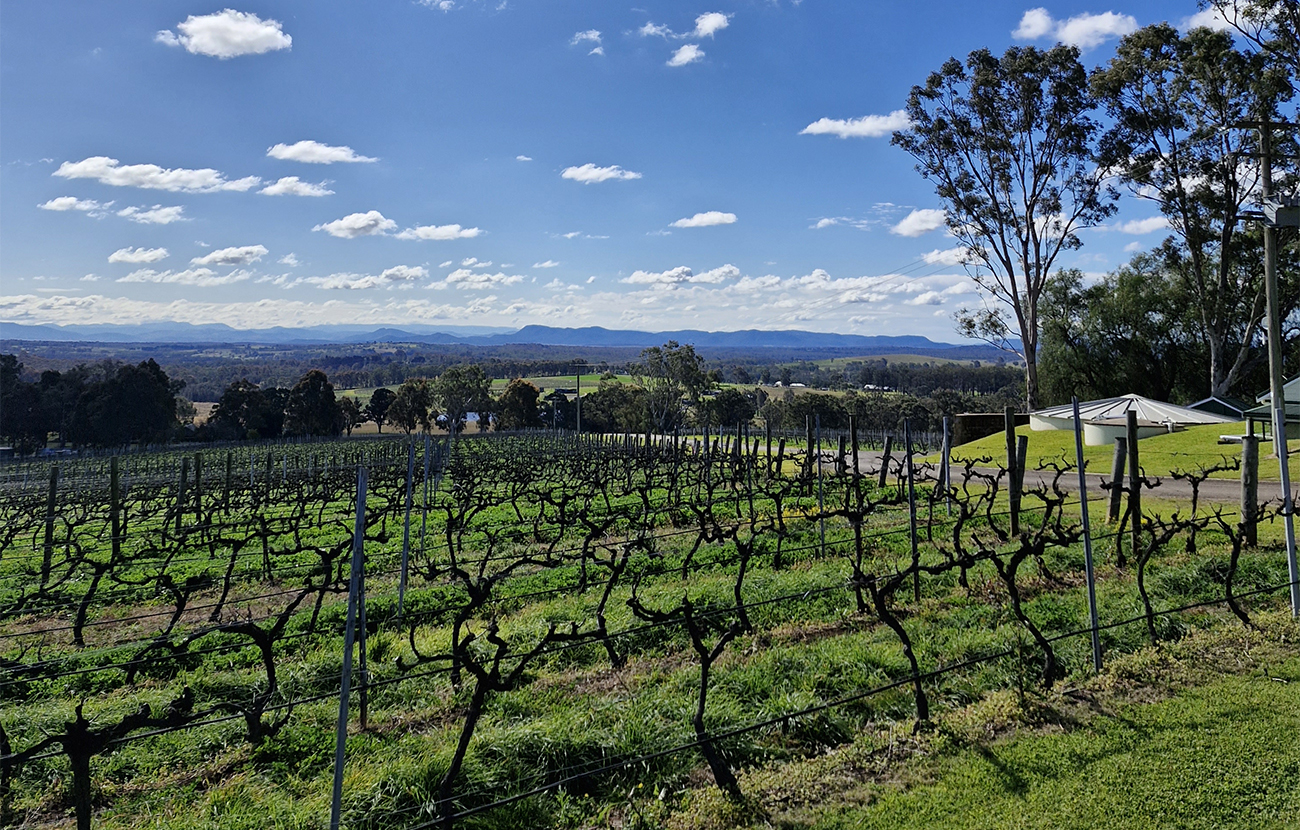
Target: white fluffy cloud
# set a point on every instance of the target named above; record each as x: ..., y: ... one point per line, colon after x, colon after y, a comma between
x: 293, y: 186
x: 289, y: 259
x: 313, y: 152
x: 62, y: 203
x: 709, y: 23
x: 1137, y: 227
x: 550, y: 263
x: 439, y: 232
x: 138, y: 256
x: 201, y: 277
x: 227, y: 34
x: 245, y: 255
x: 590, y: 173
x: 589, y: 36
x: 689, y: 53
x: 1035, y: 23
x: 399, y: 276
x: 1211, y: 18
x: 683, y: 274
x: 156, y: 215
x: 107, y: 170
x: 868, y: 126
x: 919, y: 222
x: 950, y: 256
x: 523, y: 158
x: 706, y: 25
x: 464, y: 278
x: 370, y: 223
x: 1085, y: 31
x: 706, y: 219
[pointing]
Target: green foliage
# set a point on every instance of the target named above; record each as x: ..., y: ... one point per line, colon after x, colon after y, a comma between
x: 1008, y: 144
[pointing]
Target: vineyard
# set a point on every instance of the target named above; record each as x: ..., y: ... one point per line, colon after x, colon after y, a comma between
x: 549, y: 630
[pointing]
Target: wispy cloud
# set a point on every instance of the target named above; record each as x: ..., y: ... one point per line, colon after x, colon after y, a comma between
x: 245, y: 255
x: 590, y: 174
x: 200, y: 277
x: 868, y: 126
x: 439, y: 232
x: 90, y: 207
x: 110, y: 171
x: 138, y: 256
x: 293, y: 186
x: 706, y: 219
x: 156, y: 215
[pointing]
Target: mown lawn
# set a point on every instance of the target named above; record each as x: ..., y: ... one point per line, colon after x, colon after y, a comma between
x: 1160, y: 454
x: 1223, y: 755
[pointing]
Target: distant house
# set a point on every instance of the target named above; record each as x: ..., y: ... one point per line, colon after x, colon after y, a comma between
x: 1263, y: 414
x: 1222, y: 405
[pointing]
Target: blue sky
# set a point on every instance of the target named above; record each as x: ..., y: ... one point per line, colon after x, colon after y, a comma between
x: 668, y: 165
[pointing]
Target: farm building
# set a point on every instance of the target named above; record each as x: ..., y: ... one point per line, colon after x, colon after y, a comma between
x: 1106, y: 419
x: 1263, y: 414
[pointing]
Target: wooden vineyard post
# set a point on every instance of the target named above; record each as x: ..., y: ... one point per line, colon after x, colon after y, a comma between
x: 180, y: 491
x: 198, y: 488
x: 270, y: 470
x: 1116, y: 477
x: 884, y: 460
x: 424, y: 503
x: 821, y: 495
x: 1134, y: 480
x: 808, y: 457
x: 406, y: 528
x: 1089, y: 576
x: 115, y: 506
x: 349, y: 635
x: 225, y: 493
x: 1250, y: 489
x: 911, y: 511
x: 841, y: 465
x: 945, y: 466
x: 767, y: 432
x: 1013, y: 482
x: 47, y: 560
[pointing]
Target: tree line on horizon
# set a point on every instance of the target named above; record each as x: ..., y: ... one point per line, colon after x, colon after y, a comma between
x: 115, y: 405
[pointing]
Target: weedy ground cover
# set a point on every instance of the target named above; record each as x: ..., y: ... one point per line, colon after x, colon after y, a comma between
x: 590, y: 631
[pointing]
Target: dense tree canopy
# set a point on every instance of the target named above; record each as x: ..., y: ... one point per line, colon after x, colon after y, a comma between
x: 1009, y: 145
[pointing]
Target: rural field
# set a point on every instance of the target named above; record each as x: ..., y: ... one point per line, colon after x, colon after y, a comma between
x: 542, y: 630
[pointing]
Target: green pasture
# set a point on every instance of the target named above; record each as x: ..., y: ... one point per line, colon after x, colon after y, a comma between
x: 1188, y: 450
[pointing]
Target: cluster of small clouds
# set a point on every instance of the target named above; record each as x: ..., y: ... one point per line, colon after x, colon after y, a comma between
x: 706, y: 25
x: 156, y: 215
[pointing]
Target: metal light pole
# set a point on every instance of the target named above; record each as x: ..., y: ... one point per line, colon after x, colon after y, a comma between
x: 1278, y: 214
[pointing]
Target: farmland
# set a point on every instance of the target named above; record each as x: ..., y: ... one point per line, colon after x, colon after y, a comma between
x: 554, y: 630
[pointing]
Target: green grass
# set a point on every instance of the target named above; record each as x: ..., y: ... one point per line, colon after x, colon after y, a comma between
x: 1225, y: 755
x: 1160, y: 454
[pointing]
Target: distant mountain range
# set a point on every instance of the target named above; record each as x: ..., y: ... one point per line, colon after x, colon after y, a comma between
x: 591, y: 336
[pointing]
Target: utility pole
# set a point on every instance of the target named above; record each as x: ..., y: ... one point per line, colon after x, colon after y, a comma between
x: 1277, y: 214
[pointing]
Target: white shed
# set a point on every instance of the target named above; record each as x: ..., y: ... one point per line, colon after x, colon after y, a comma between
x: 1103, y: 417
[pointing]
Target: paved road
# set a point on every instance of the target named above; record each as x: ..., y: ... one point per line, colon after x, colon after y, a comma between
x: 1212, y: 491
